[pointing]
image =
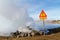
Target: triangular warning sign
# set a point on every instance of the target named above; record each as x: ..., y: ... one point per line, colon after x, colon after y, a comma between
x: 42, y: 15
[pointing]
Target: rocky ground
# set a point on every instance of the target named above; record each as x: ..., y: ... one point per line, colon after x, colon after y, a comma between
x: 55, y: 36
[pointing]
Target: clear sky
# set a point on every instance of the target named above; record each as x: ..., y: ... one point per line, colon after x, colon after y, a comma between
x: 51, y: 7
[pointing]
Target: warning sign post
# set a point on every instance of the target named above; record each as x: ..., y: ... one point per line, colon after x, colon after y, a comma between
x: 43, y: 17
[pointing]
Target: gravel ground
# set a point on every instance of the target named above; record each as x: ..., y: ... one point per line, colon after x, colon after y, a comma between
x: 42, y: 37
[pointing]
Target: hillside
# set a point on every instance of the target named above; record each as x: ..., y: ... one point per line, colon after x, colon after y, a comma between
x: 49, y: 21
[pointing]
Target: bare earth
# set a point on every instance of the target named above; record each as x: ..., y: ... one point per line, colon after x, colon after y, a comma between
x: 44, y: 37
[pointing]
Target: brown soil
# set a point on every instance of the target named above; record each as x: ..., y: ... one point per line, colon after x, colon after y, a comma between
x: 44, y: 37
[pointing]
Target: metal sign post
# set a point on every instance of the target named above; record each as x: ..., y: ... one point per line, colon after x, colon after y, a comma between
x: 43, y: 17
x: 43, y: 25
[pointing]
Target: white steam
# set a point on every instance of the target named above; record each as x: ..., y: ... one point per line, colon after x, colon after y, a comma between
x: 12, y: 15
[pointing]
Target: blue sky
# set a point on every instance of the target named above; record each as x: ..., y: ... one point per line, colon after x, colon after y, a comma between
x: 51, y: 7
x: 13, y: 13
